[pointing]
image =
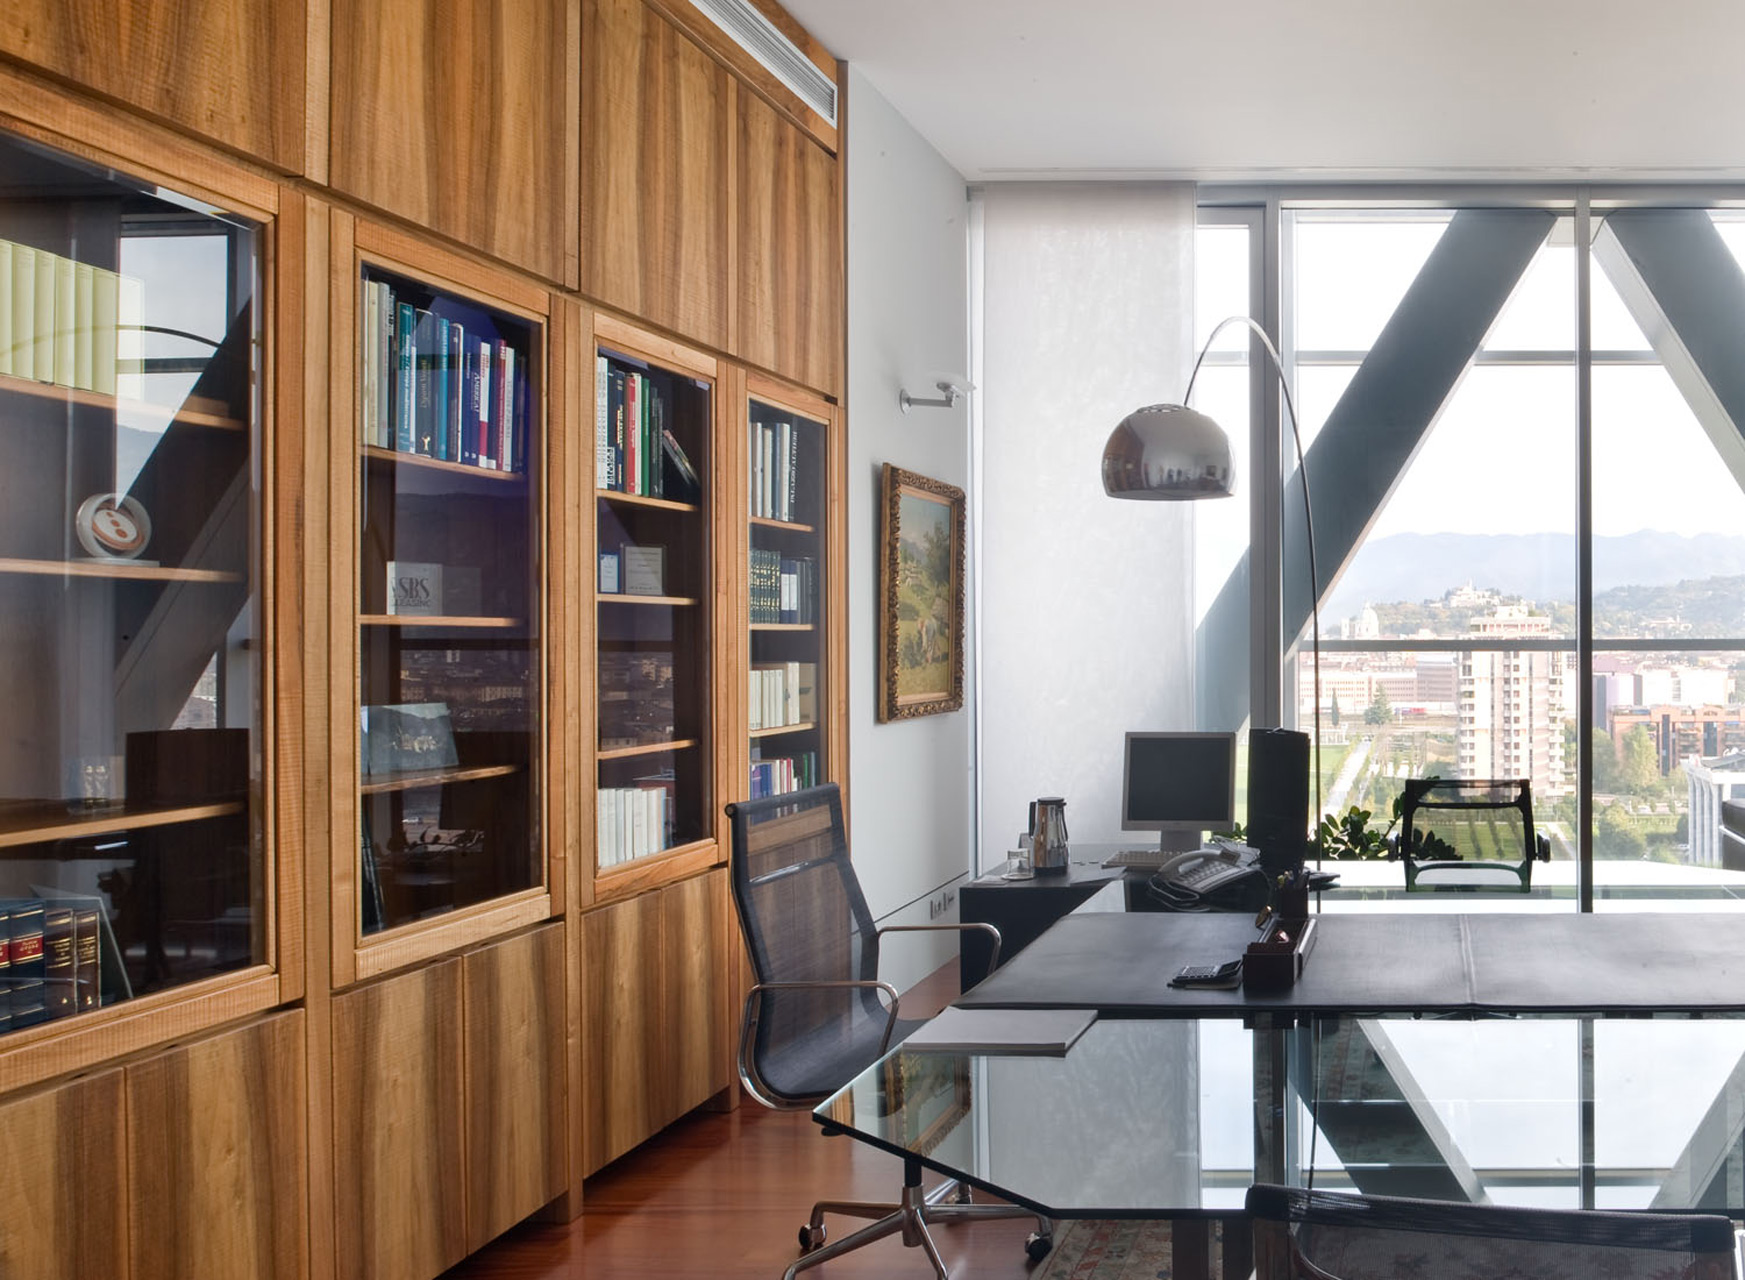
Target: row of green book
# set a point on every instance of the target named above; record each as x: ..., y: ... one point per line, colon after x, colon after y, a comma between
x: 775, y: 449
x: 435, y: 387
x: 632, y: 822
x: 784, y: 589
x: 51, y: 958
x: 779, y: 775
x: 783, y: 693
x: 635, y: 450
x: 69, y: 323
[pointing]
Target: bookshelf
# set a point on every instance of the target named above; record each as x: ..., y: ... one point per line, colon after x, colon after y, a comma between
x: 445, y: 427
x: 793, y: 545
x: 653, y: 496
x: 133, y: 840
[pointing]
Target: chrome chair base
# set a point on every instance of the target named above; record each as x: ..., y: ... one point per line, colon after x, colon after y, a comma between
x: 947, y: 1202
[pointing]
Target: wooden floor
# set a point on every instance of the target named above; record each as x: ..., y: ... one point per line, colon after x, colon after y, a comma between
x: 722, y: 1195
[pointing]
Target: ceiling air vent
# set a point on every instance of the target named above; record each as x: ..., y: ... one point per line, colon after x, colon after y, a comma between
x: 777, y: 54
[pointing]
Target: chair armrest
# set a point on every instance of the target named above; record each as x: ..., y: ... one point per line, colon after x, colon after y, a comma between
x: 748, y: 1073
x: 1541, y: 847
x: 980, y: 926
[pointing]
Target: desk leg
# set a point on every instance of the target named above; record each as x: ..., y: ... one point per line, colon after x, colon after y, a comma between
x: 1190, y: 1248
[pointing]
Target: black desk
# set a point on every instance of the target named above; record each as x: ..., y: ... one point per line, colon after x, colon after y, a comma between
x: 1022, y: 909
x: 1515, y: 962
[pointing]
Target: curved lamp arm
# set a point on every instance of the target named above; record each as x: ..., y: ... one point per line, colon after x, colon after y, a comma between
x: 1308, y: 513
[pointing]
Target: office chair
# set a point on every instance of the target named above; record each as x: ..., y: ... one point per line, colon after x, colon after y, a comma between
x: 1466, y: 835
x: 1318, y: 1235
x: 819, y: 1015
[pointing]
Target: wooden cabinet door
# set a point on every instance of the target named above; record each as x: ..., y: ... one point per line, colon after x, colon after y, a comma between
x: 696, y: 982
x: 621, y: 1020
x: 217, y: 1140
x: 63, y: 1182
x: 515, y: 1080
x: 460, y: 115
x: 655, y: 128
x: 232, y: 71
x: 788, y: 236
x: 399, y: 1206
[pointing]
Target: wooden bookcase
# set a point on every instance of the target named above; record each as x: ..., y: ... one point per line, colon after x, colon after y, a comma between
x: 446, y: 730
x: 795, y: 529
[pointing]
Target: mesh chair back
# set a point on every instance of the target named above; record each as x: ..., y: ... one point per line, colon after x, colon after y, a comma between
x: 1469, y: 834
x: 805, y: 919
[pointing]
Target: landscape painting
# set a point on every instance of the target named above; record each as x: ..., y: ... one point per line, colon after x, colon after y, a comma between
x: 921, y: 558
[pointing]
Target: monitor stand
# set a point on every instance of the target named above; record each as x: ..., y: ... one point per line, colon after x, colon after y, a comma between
x: 1180, y: 839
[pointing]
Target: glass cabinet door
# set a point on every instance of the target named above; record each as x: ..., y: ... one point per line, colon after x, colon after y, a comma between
x: 131, y: 828
x: 449, y: 650
x: 653, y: 584
x: 789, y: 466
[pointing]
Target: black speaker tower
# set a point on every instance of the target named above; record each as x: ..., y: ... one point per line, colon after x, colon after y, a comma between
x: 1278, y: 797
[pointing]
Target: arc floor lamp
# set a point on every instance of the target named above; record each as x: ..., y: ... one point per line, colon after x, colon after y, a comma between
x: 1171, y: 453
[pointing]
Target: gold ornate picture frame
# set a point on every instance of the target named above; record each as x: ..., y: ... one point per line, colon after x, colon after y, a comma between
x: 921, y: 612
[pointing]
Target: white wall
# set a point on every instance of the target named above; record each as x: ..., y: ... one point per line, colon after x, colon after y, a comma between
x: 910, y: 783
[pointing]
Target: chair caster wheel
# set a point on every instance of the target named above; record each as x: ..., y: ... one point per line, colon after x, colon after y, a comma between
x: 812, y: 1237
x: 1037, y: 1246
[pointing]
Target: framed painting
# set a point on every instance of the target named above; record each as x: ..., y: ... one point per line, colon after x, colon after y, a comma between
x: 921, y: 559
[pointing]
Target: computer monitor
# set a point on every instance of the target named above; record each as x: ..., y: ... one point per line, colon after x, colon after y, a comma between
x: 1179, y: 785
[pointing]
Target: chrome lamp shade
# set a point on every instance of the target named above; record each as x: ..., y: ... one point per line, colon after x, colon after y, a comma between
x: 1165, y: 453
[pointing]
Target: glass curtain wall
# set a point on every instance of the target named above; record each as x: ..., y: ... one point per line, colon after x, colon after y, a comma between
x: 1462, y: 494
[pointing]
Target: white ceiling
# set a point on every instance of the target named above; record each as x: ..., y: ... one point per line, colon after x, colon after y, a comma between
x: 1262, y: 89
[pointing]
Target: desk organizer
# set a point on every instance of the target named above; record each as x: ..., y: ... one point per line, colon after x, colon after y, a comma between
x: 1276, y: 961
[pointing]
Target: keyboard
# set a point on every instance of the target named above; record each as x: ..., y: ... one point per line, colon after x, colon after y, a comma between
x: 1144, y: 859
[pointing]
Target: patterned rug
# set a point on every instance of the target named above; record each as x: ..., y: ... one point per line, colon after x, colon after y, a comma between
x: 1114, y: 1249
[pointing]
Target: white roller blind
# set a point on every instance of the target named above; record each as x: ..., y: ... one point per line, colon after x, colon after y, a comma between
x: 1083, y: 311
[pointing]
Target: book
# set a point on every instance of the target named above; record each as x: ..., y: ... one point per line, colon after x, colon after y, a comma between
x: 26, y: 917
x: 1031, y: 1032
x: 632, y: 410
x: 506, y: 459
x: 66, y: 321
x: 369, y: 388
x: 105, y: 301
x: 5, y: 944
x: 426, y: 356
x: 23, y: 311
x: 415, y: 588
x: 683, y: 482
x: 91, y: 921
x: 405, y: 397
x: 5, y: 328
x: 387, y: 363
x: 59, y: 998
x: 407, y: 737
x: 482, y: 403
x: 440, y: 363
x: 84, y: 325
x: 602, y: 438
x: 644, y: 570
x: 42, y: 323
x: 87, y: 954
x: 455, y: 392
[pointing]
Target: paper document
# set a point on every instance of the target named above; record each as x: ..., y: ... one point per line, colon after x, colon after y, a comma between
x: 1041, y: 1032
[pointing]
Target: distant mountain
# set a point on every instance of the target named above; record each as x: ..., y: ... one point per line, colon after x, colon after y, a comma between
x: 1538, y: 566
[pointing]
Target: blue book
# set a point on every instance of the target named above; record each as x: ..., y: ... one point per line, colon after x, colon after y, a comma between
x: 426, y: 359
x: 406, y: 321
x: 455, y: 404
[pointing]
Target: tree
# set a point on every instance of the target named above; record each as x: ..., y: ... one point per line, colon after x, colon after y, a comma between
x: 1381, y: 711
x: 1333, y: 714
x: 1605, y: 754
x: 1639, y: 763
x: 1615, y: 836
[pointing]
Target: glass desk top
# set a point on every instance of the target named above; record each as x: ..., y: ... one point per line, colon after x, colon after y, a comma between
x: 1177, y: 1117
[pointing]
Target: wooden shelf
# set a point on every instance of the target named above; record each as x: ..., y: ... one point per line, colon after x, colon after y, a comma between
x: 784, y: 626
x: 98, y: 400
x: 623, y: 597
x: 435, y: 778
x: 455, y: 621
x: 805, y: 727
x: 123, y: 569
x: 639, y: 500
x: 787, y: 526
x: 376, y: 453
x: 646, y: 749
x: 34, y: 821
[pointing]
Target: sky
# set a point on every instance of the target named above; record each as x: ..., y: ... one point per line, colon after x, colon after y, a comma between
x: 1501, y: 456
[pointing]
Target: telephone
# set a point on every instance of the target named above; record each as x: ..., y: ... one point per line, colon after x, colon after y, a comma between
x: 1226, y: 877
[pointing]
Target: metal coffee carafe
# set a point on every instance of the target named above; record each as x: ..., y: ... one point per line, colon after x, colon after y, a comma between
x: 1048, y: 835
